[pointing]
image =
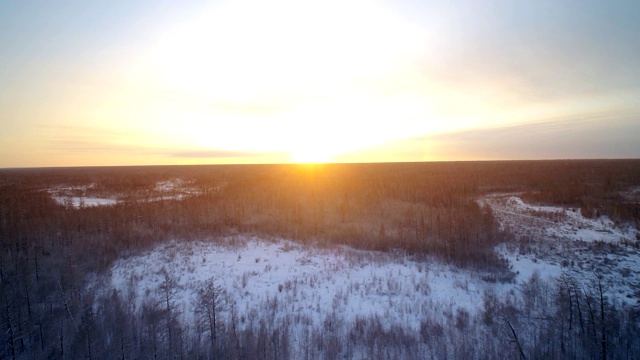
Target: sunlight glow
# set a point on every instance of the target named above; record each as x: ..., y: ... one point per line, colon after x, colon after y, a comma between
x: 252, y: 81
x: 310, y: 157
x: 298, y: 77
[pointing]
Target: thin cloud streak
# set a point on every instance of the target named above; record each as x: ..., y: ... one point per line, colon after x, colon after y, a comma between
x: 96, y: 140
x: 90, y: 147
x: 605, y: 136
x: 224, y: 154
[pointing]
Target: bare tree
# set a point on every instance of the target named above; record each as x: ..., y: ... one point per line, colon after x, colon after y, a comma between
x: 210, y: 304
x: 599, y: 286
x: 515, y: 337
x: 168, y: 290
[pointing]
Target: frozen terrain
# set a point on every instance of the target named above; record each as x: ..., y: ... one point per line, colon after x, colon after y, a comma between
x: 552, y: 222
x: 306, y: 283
x: 304, y: 286
x: 173, y: 189
x: 555, y: 240
x: 79, y: 196
x: 82, y: 201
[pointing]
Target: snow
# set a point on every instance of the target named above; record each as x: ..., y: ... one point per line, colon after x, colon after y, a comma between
x: 174, y: 189
x: 631, y: 194
x: 554, y: 222
x: 525, y: 266
x: 80, y: 201
x: 169, y: 185
x: 76, y: 196
x: 555, y: 240
x: 304, y: 285
x: 301, y: 281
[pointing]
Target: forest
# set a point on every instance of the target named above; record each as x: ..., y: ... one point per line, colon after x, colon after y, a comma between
x: 52, y: 250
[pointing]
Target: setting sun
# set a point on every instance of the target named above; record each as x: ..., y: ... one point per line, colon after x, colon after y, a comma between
x: 310, y: 157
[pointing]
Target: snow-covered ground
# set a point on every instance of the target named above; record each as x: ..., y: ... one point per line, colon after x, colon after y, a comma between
x: 554, y: 240
x: 304, y: 282
x: 174, y: 189
x: 554, y: 222
x: 632, y: 194
x: 304, y: 285
x: 76, y: 196
x: 79, y: 196
x: 170, y: 185
x: 82, y: 201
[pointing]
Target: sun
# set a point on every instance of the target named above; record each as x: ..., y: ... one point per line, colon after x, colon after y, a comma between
x: 311, y: 156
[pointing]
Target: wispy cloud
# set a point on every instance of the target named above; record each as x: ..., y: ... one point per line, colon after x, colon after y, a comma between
x: 223, y: 154
x: 605, y: 136
x: 77, y: 140
x: 80, y: 146
x: 610, y: 136
x: 89, y: 139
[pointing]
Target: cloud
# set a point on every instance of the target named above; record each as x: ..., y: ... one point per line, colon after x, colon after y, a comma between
x: 80, y: 146
x: 223, y: 154
x: 90, y: 139
x: 95, y: 140
x: 611, y: 136
x: 91, y: 147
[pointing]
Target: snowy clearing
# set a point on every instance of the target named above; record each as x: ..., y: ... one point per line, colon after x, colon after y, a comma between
x: 544, y: 222
x: 311, y: 284
x: 81, y: 201
x: 78, y: 196
x: 304, y: 282
x: 553, y: 240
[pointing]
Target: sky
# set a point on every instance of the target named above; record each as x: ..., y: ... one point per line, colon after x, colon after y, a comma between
x: 253, y: 81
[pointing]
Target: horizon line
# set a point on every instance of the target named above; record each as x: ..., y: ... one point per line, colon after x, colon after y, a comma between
x: 315, y: 164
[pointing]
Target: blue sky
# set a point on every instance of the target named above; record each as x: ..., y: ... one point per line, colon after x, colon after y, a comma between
x: 152, y: 82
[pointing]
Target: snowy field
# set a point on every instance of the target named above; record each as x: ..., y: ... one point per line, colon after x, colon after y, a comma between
x: 79, y: 196
x: 552, y: 222
x: 303, y: 285
x: 308, y: 284
x: 175, y: 189
x: 553, y: 240
x: 83, y: 201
